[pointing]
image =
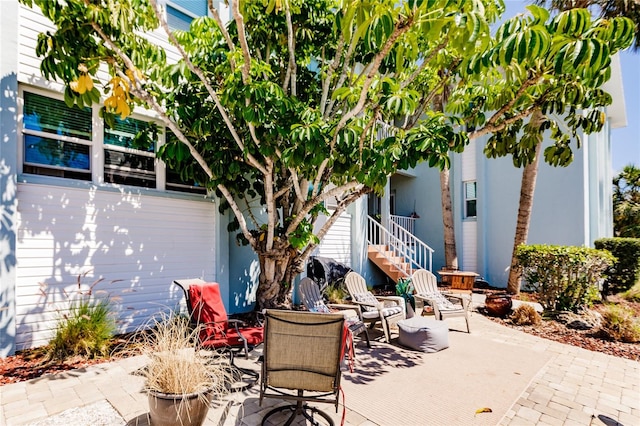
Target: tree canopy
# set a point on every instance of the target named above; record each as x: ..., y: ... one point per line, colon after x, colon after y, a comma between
x: 626, y: 202
x: 280, y: 110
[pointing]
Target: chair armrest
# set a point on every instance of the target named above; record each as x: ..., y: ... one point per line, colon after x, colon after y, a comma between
x: 341, y: 306
x: 398, y: 300
x: 463, y: 299
x: 373, y: 305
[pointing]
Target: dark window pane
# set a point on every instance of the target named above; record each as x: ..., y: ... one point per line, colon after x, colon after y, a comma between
x: 175, y: 183
x: 48, y: 171
x: 129, y: 169
x: 53, y: 152
x: 131, y: 133
x: 54, y: 116
x: 471, y: 208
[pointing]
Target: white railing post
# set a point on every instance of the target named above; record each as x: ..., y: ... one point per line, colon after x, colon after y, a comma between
x: 401, y: 243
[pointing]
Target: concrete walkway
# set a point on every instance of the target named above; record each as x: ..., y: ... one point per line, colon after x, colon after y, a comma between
x: 572, y: 387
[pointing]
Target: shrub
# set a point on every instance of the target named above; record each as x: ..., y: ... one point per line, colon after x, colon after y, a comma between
x: 404, y: 288
x: 525, y: 315
x: 335, y: 294
x: 625, y: 272
x: 633, y: 294
x: 85, y: 330
x: 620, y: 323
x: 86, y: 325
x: 565, y: 278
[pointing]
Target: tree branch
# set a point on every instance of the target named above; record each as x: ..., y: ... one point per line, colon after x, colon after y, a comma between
x: 401, y: 27
x: 242, y: 38
x: 216, y: 16
x: 309, y: 204
x: 326, y: 83
x: 291, y: 44
x: 342, y: 206
x: 425, y: 62
x: 198, y: 72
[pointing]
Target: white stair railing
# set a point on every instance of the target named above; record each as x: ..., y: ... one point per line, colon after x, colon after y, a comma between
x: 402, y: 244
x: 406, y: 222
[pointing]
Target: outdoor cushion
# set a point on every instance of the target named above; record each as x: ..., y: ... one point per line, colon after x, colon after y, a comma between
x: 391, y: 310
x: 423, y: 334
x: 443, y: 303
x: 369, y: 299
x: 319, y: 306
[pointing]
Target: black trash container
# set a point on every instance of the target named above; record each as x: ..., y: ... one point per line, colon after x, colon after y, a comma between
x: 325, y: 271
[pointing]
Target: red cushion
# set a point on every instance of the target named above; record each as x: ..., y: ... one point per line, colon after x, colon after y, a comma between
x: 208, y: 309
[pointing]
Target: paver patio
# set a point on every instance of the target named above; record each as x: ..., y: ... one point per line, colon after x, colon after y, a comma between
x: 524, y: 379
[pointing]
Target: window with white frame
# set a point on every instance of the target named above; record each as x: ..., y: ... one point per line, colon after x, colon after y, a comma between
x: 56, y: 138
x: 180, y: 13
x: 62, y: 142
x: 129, y: 153
x: 470, y: 199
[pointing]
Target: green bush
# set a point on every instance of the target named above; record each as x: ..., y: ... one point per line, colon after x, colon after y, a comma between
x: 85, y: 330
x: 633, y: 294
x: 620, y: 323
x: 565, y: 277
x: 625, y: 272
x: 335, y: 293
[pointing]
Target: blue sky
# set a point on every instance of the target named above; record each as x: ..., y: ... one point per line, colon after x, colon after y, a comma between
x: 625, y: 141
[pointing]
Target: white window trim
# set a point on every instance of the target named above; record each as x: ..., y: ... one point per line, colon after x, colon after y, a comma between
x: 96, y: 144
x: 465, y: 199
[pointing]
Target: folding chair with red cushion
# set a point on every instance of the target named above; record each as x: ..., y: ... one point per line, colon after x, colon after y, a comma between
x: 207, y: 311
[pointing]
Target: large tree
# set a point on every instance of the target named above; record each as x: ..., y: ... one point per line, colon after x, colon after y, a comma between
x: 538, y: 73
x: 626, y: 202
x: 276, y: 112
x: 604, y: 9
x: 557, y: 88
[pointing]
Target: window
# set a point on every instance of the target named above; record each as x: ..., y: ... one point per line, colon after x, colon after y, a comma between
x: 180, y: 13
x: 470, y: 199
x: 72, y: 143
x: 129, y: 153
x: 57, y: 139
x: 175, y: 182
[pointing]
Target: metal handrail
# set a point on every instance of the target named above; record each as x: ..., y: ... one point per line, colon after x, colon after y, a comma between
x: 402, y: 244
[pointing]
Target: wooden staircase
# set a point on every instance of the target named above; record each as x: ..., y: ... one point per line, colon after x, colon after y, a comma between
x: 394, y: 267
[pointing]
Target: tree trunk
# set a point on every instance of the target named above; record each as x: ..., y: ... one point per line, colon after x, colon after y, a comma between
x: 276, y: 275
x: 527, y: 188
x: 450, y: 256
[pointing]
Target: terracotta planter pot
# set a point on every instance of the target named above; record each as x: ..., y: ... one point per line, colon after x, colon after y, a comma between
x: 498, y: 305
x: 171, y: 409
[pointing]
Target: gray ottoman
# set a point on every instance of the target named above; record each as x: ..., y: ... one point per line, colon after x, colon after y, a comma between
x: 423, y: 334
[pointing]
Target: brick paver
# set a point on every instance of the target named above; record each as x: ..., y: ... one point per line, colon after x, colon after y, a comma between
x: 573, y: 388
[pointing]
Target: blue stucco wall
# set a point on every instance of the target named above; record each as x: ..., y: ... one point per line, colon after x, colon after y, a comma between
x: 424, y: 191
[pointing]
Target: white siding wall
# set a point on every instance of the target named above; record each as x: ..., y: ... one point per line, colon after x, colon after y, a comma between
x: 469, y: 250
x: 32, y: 23
x: 469, y: 246
x: 337, y: 242
x: 145, y: 241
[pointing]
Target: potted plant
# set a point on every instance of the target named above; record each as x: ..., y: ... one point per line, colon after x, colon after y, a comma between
x: 404, y: 288
x: 180, y: 380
